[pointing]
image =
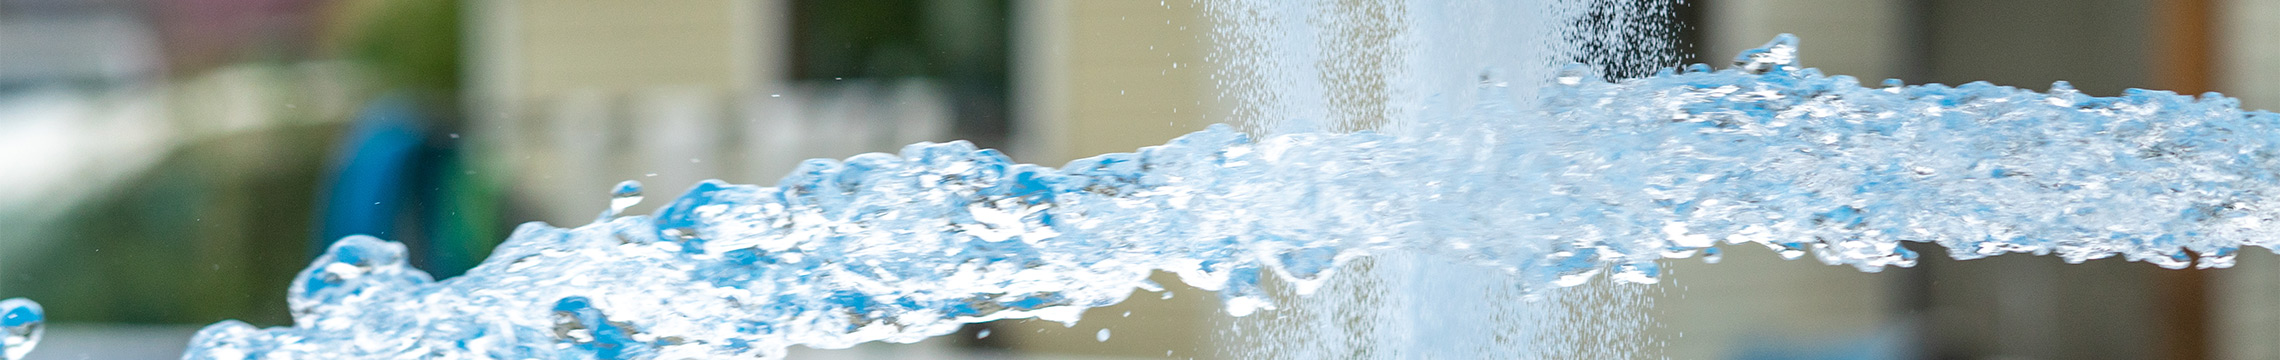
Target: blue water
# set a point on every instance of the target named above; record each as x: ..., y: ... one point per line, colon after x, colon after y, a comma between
x: 21, y: 322
x: 1586, y: 177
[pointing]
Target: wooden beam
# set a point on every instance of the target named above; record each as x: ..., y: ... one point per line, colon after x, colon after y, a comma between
x: 2184, y: 46
x: 2184, y: 61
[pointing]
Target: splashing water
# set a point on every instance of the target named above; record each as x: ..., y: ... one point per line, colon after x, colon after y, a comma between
x: 1390, y: 65
x: 21, y: 323
x: 1593, y: 177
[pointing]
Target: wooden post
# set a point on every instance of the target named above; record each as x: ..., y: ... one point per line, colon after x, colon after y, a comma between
x: 2183, y: 61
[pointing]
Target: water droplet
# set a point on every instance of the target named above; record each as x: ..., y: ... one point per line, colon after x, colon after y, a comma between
x: 1127, y: 314
x: 1576, y: 74
x: 1894, y: 83
x: 1777, y: 56
x: 623, y: 196
x: 1712, y: 255
x: 984, y: 334
x: 1643, y: 272
x: 21, y: 322
x: 1575, y: 276
x: 1902, y: 257
x: 1102, y: 336
x: 1167, y: 295
x: 1788, y: 250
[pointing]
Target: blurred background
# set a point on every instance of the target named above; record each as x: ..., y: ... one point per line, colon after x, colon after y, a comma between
x: 166, y: 164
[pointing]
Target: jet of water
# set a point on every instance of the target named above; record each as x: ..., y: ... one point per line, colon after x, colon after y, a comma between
x: 1589, y: 176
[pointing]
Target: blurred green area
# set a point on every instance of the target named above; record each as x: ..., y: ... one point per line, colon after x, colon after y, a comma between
x: 188, y: 242
x: 221, y: 221
x: 406, y: 44
x: 263, y: 108
x: 963, y: 43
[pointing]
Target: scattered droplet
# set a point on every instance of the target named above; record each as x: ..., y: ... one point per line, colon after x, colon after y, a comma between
x: 984, y: 334
x: 1102, y: 336
x: 1712, y: 255
x: 624, y: 195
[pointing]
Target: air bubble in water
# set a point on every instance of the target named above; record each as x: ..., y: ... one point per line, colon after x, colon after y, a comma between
x: 21, y: 322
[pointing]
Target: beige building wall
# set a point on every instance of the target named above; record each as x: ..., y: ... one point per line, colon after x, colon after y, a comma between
x: 532, y: 49
x: 1096, y: 77
x: 2247, y: 309
x: 2248, y: 58
x: 567, y: 97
